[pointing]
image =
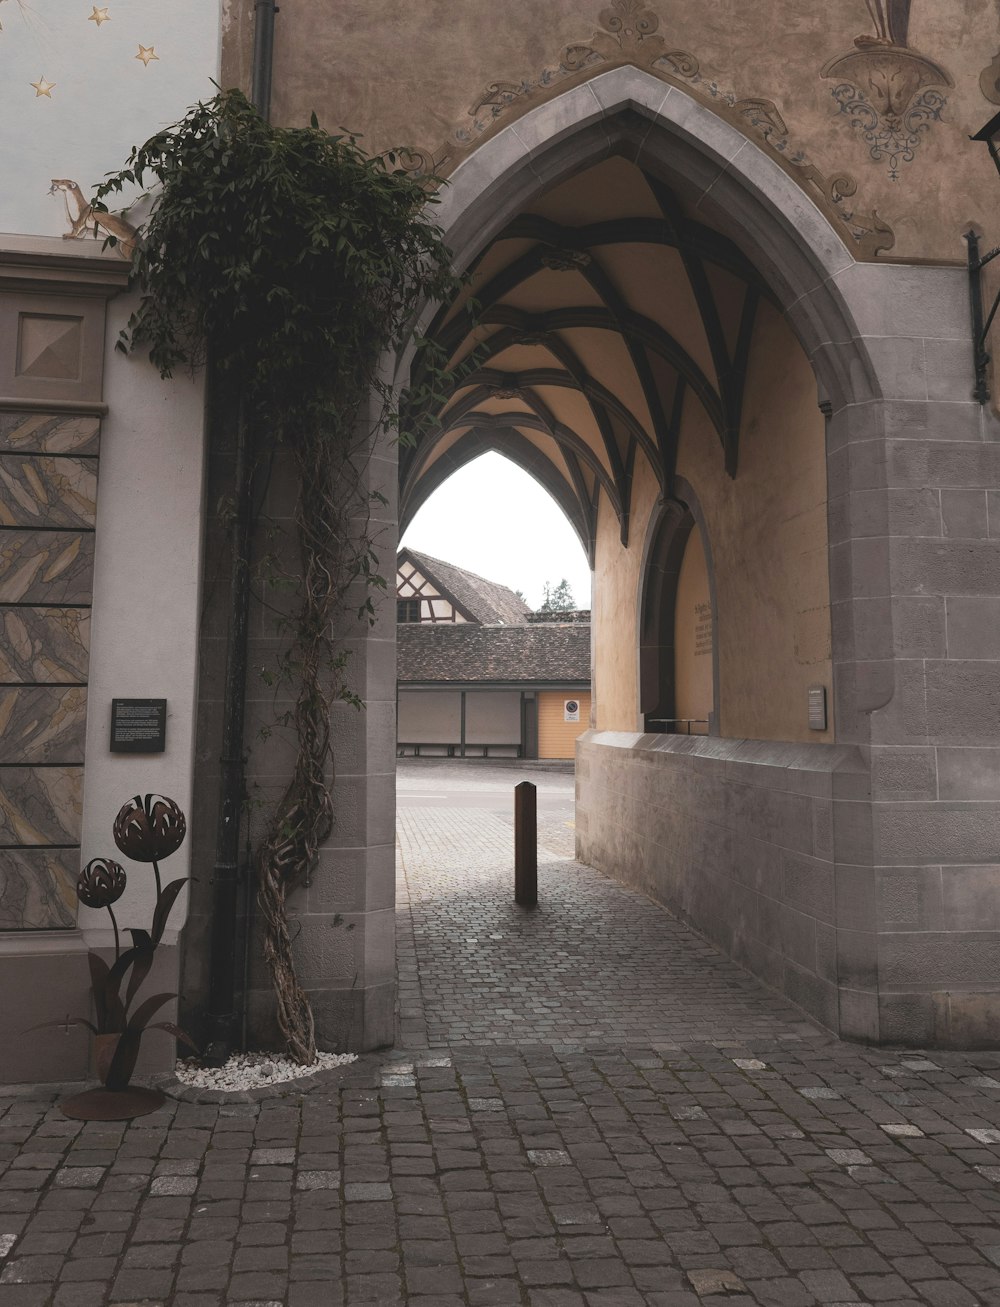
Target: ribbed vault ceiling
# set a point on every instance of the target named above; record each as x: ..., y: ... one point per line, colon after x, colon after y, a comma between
x: 589, y: 323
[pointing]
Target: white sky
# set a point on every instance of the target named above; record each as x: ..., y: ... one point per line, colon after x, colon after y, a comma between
x: 494, y: 519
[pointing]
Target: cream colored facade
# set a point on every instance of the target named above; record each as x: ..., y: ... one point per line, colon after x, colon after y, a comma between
x: 720, y: 261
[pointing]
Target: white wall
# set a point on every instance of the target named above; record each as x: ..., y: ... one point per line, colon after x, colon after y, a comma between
x: 146, y: 607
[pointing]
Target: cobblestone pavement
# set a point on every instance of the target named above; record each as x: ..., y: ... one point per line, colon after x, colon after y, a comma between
x: 594, y: 964
x: 745, y: 1158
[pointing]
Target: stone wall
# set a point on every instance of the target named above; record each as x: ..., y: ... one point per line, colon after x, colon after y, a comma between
x: 343, y: 920
x: 739, y: 838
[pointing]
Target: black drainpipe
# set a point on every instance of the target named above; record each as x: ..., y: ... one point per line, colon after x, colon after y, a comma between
x: 223, y: 1021
x: 263, y: 56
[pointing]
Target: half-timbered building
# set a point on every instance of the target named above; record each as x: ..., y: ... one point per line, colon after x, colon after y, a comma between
x: 480, y: 675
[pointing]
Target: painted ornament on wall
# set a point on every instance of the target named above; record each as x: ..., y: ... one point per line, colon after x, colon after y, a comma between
x: 64, y: 62
x: 886, y: 88
x: 989, y: 80
x: 83, y: 221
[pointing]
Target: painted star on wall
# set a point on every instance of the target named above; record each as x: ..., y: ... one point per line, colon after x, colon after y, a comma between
x: 147, y: 53
x: 42, y: 87
x: 99, y: 16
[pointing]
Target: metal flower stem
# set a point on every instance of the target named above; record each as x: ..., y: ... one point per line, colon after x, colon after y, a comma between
x: 156, y: 873
x: 115, y: 925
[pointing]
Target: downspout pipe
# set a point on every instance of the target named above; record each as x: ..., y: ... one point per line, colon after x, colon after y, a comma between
x: 224, y: 1022
x: 263, y: 56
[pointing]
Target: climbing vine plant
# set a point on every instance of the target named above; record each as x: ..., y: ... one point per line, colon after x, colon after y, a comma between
x: 293, y: 261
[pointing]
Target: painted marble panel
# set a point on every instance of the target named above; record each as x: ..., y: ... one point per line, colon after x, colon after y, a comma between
x: 39, y: 491
x: 38, y: 889
x: 42, y: 725
x: 40, y: 805
x: 44, y: 646
x: 46, y: 567
x: 35, y: 433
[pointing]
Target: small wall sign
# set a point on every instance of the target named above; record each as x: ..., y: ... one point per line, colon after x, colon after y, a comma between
x: 817, y: 707
x: 138, y: 725
x: 571, y: 710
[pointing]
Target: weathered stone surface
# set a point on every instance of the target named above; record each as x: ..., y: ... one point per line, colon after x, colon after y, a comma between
x: 40, y: 805
x: 43, y: 725
x: 44, y: 646
x: 50, y: 567
x: 40, y: 434
x: 47, y: 492
x: 38, y: 888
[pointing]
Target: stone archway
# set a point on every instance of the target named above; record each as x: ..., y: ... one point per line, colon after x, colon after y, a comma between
x: 787, y: 829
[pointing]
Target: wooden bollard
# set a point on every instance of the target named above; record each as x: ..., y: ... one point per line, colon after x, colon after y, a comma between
x: 525, y: 845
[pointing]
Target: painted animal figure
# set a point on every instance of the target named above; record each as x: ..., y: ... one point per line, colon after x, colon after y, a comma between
x: 83, y: 219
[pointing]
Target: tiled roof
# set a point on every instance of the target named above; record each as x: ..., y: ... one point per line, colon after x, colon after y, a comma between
x: 442, y: 653
x: 485, y: 601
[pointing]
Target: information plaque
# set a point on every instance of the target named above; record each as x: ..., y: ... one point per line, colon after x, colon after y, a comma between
x: 817, y: 707
x: 138, y: 725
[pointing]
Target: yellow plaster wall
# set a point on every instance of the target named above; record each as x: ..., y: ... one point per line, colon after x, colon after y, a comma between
x: 693, y: 636
x: 556, y: 736
x: 405, y: 73
x: 767, y: 533
x: 615, y: 611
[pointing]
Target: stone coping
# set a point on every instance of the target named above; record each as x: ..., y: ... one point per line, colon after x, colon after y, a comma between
x: 818, y: 757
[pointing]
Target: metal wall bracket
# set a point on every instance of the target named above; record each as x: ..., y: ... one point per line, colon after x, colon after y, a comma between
x: 980, y: 329
x: 990, y: 135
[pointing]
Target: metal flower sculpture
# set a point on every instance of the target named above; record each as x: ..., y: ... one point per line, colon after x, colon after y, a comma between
x: 101, y: 883
x: 148, y: 828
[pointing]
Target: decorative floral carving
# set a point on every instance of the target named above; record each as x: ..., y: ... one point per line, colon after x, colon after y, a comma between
x: 884, y: 87
x: 630, y: 34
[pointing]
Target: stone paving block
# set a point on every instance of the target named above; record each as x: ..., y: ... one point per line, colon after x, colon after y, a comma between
x: 824, y: 1175
x: 173, y: 1185
x: 318, y: 1180
x: 367, y: 1193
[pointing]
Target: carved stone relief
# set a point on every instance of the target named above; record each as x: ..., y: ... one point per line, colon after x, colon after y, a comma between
x: 629, y: 33
x: 886, y: 89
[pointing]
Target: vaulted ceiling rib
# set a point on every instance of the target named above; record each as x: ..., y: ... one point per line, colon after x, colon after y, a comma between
x: 671, y: 303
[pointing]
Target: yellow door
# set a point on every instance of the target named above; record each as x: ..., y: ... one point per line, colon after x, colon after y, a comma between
x: 562, y: 716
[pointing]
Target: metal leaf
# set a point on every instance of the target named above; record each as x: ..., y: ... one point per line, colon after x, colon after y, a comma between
x: 124, y: 1060
x: 63, y: 1021
x: 140, y: 970
x: 177, y: 1033
x: 140, y: 1018
x: 163, y: 906
x: 101, y: 987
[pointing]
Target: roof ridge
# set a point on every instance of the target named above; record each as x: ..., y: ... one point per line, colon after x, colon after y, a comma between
x: 419, y: 553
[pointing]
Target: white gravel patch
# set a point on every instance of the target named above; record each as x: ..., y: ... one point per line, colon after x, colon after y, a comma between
x: 254, y: 1070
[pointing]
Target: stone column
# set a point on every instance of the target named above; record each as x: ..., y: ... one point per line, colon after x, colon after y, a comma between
x: 343, y: 920
x: 915, y: 585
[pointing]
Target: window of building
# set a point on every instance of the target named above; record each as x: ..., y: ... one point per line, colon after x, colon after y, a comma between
x: 407, y: 610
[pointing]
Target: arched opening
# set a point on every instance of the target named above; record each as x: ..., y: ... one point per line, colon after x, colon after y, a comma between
x: 493, y: 616
x: 663, y: 323
x: 628, y: 354
x: 678, y: 665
